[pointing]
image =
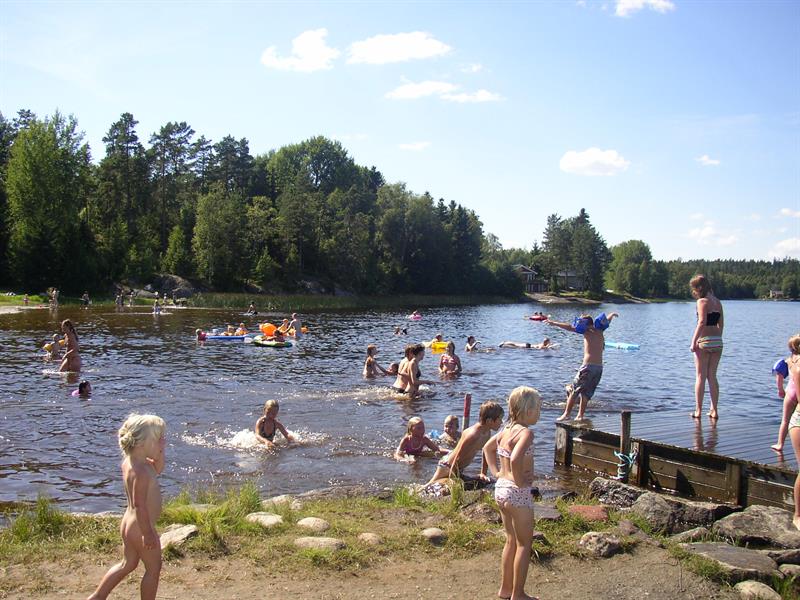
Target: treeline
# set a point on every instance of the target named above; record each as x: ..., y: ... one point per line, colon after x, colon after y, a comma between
x: 188, y: 206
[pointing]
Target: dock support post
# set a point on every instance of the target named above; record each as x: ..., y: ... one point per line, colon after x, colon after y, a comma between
x: 625, y: 445
x: 467, y: 408
x: 563, y: 449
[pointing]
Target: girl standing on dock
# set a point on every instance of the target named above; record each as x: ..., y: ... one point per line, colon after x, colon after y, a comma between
x: 706, y: 344
x: 794, y: 423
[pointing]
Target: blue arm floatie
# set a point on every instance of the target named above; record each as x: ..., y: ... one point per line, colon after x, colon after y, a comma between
x: 601, y: 322
x: 781, y: 368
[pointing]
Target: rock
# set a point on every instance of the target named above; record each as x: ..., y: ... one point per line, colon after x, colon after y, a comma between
x: 692, y: 535
x: 783, y: 557
x: 655, y: 509
x: 760, y: 525
x: 614, y: 493
x: 314, y: 524
x: 319, y: 543
x: 628, y: 527
x: 370, y: 539
x: 432, y: 521
x: 790, y: 570
x: 176, y: 534
x: 755, y: 590
x: 567, y: 496
x: 739, y: 564
x: 600, y: 543
x: 265, y: 519
x: 672, y: 515
x: 589, y: 512
x: 283, y: 500
x: 703, y: 513
x: 538, y: 536
x: 434, y: 535
x: 544, y: 511
x: 482, y: 513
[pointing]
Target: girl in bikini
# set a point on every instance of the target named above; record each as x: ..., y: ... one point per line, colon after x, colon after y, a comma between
x: 371, y: 366
x: 415, y: 443
x: 794, y: 424
x: 789, y: 395
x: 449, y: 363
x: 72, y: 359
x: 706, y: 344
x: 268, y: 425
x: 514, y: 447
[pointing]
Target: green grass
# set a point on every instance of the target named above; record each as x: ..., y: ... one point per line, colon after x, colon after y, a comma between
x: 17, y: 300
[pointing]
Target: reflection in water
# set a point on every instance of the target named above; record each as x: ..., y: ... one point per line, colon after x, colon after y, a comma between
x: 709, y: 442
x: 211, y: 395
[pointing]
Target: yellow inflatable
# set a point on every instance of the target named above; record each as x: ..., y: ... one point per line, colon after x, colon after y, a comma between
x: 439, y: 346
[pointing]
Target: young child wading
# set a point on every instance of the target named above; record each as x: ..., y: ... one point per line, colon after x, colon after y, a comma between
x: 588, y: 376
x: 142, y: 441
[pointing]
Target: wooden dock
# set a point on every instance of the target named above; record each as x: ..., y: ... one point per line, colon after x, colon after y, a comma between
x: 723, y: 462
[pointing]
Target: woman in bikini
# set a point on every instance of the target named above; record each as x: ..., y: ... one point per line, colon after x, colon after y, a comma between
x: 449, y: 363
x: 72, y: 358
x: 514, y: 447
x: 706, y: 344
x: 400, y: 384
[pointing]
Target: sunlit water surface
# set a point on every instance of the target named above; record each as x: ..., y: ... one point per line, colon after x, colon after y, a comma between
x: 64, y: 447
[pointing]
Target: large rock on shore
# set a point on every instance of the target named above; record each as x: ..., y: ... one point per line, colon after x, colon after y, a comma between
x: 265, y: 519
x: 614, y: 493
x: 755, y: 590
x: 176, y: 535
x: 600, y: 543
x: 319, y: 543
x: 760, y: 525
x: 674, y: 515
x: 738, y: 564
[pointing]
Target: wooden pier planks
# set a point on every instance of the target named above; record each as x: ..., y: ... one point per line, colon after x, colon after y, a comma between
x: 723, y: 461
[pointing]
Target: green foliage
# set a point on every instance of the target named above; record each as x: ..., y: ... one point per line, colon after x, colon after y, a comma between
x: 178, y: 259
x: 217, y: 231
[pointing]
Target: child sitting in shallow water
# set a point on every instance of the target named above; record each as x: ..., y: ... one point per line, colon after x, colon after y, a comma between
x: 371, y: 366
x: 142, y: 441
x: 451, y: 433
x: 267, y: 425
x: 415, y: 443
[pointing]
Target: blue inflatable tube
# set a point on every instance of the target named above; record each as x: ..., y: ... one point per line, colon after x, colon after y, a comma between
x: 622, y: 346
x: 226, y: 338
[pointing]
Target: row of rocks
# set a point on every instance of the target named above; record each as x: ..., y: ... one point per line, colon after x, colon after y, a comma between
x: 752, y: 546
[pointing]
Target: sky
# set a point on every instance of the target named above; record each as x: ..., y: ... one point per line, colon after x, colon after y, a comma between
x: 675, y: 122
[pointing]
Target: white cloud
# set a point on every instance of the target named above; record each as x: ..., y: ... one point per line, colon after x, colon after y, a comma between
x: 581, y: 3
x: 788, y: 212
x: 414, y: 147
x: 479, y: 96
x: 351, y: 137
x: 754, y: 217
x: 789, y: 247
x: 593, y: 161
x: 412, y: 91
x: 473, y: 68
x: 697, y: 216
x: 707, y: 161
x: 399, y: 47
x: 626, y: 8
x: 709, y: 235
x: 309, y: 53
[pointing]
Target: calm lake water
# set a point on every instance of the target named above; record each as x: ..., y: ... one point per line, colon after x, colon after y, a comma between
x: 55, y: 444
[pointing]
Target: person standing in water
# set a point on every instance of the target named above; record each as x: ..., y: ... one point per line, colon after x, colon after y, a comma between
x: 297, y: 325
x: 706, y: 344
x: 72, y: 359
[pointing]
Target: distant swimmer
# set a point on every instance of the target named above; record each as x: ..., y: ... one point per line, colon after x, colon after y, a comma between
x: 371, y: 367
x: 251, y: 310
x: 472, y: 344
x: 544, y: 345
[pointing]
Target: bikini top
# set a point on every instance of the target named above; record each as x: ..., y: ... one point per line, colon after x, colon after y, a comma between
x: 408, y: 448
x: 505, y: 453
x: 447, y: 360
x: 712, y: 318
x: 262, y: 429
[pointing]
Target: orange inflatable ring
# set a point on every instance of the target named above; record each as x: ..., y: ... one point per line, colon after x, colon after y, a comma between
x: 267, y: 329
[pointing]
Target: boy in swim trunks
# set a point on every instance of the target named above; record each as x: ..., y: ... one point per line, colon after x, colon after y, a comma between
x: 591, y: 370
x: 472, y: 440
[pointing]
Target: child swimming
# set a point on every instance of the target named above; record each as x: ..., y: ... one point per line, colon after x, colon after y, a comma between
x: 514, y: 447
x: 472, y: 344
x: 84, y: 389
x: 415, y: 443
x: 142, y: 441
x: 267, y: 425
x: 371, y: 367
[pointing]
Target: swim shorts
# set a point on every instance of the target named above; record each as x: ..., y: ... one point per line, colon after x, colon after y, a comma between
x: 586, y: 379
x: 506, y: 492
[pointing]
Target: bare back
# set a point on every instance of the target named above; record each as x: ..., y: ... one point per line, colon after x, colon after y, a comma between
x: 153, y: 501
x: 593, y: 344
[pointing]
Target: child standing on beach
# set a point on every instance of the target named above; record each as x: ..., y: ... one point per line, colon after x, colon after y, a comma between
x: 142, y: 441
x: 789, y: 395
x: 591, y: 370
x: 514, y: 447
x: 267, y: 425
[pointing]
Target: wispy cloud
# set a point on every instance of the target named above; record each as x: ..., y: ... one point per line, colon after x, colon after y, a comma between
x: 351, y: 137
x: 696, y: 216
x: 415, y: 146
x: 626, y: 8
x: 479, y: 96
x: 309, y: 54
x: 412, y: 91
x: 473, y: 68
x: 399, y: 47
x: 593, y: 162
x: 709, y: 235
x: 707, y: 161
x: 754, y: 217
x: 788, y: 212
x: 789, y: 247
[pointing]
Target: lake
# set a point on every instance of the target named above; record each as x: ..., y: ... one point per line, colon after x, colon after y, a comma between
x: 64, y: 447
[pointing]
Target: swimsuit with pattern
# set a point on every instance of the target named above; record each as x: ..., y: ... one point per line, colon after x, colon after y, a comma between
x: 506, y: 491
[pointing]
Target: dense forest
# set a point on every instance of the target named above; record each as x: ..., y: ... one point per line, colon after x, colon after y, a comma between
x: 212, y: 211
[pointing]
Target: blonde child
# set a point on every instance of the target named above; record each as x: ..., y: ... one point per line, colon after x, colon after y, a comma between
x: 142, y: 441
x: 53, y: 348
x: 371, y: 366
x: 789, y: 395
x: 267, y: 425
x: 472, y: 440
x: 514, y: 447
x: 449, y: 363
x: 241, y: 330
x: 415, y: 443
x: 794, y: 423
x: 451, y: 433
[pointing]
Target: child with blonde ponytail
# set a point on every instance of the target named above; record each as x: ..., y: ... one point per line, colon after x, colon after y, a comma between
x: 142, y: 441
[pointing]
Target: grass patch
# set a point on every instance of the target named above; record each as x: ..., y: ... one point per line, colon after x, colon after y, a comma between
x: 699, y: 565
x: 17, y: 299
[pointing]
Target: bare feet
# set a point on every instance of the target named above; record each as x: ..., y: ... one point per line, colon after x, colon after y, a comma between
x: 796, y: 522
x: 504, y: 595
x: 694, y: 415
x: 562, y: 418
x: 713, y: 415
x: 777, y: 447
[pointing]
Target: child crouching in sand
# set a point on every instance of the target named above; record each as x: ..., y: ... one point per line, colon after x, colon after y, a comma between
x: 514, y: 447
x: 142, y: 441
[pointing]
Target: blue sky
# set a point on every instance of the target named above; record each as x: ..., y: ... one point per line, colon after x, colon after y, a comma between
x: 670, y: 121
